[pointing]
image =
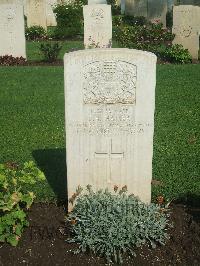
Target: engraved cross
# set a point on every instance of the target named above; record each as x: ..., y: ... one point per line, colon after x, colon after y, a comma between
x: 111, y: 154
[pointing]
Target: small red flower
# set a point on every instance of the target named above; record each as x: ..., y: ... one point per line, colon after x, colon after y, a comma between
x: 160, y: 200
x: 115, y: 188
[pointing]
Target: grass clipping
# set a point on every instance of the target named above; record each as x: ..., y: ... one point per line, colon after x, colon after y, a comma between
x: 110, y: 225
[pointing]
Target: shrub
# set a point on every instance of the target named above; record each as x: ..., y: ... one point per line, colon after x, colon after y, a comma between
x: 9, y: 60
x: 148, y: 37
x: 35, y: 33
x: 177, y: 54
x: 14, y: 200
x: 134, y: 21
x: 69, y: 19
x: 117, y: 21
x: 113, y: 224
x: 50, y: 50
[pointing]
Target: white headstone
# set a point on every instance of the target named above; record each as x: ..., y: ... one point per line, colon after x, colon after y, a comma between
x: 51, y: 18
x: 97, y: 26
x: 109, y: 105
x: 12, y: 33
x: 186, y: 26
x: 36, y: 13
x: 157, y: 11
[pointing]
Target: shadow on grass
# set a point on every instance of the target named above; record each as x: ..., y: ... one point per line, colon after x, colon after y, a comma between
x: 53, y: 163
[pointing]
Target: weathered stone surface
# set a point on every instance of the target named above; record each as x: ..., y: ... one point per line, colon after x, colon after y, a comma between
x: 36, y: 13
x: 157, y: 11
x: 136, y: 7
x: 97, y: 26
x: 95, y: 2
x: 51, y: 19
x: 12, y: 34
x: 109, y: 105
x: 153, y: 10
x: 186, y: 26
x: 123, y: 6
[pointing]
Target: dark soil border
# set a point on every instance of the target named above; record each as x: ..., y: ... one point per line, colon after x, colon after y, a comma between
x: 43, y: 242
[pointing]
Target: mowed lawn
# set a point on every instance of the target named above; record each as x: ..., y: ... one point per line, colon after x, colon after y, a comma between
x: 32, y: 127
x: 34, y: 53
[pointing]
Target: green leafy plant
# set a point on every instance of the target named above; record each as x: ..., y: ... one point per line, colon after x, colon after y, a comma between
x: 148, y: 37
x: 117, y: 21
x: 134, y: 20
x: 69, y: 19
x: 35, y: 33
x: 111, y: 225
x: 14, y: 200
x: 177, y: 54
x: 50, y: 50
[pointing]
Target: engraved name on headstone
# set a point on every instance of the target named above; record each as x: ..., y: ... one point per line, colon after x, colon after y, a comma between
x: 109, y: 104
x: 12, y: 28
x: 186, y: 26
x: 97, y: 26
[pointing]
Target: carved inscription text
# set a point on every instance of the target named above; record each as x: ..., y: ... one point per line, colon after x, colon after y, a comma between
x: 109, y: 82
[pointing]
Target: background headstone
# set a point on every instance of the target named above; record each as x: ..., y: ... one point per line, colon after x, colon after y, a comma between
x: 51, y: 18
x: 136, y: 8
x: 186, y: 26
x: 95, y: 2
x: 36, y: 13
x: 123, y: 6
x: 109, y: 105
x: 97, y: 26
x: 12, y: 33
x: 157, y: 11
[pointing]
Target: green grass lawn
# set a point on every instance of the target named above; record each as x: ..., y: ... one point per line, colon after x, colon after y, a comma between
x: 34, y: 54
x: 32, y: 126
x: 33, y: 51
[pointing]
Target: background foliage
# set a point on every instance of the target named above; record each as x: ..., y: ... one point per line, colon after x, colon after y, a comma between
x: 69, y: 19
x: 15, y: 199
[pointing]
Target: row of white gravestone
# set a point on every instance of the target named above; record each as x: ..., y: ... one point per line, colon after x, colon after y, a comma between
x: 12, y: 26
x: 40, y: 12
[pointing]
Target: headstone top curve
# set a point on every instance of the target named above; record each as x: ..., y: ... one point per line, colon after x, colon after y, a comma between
x: 110, y: 51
